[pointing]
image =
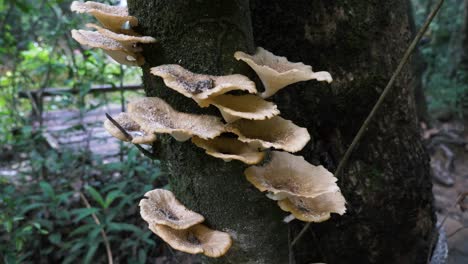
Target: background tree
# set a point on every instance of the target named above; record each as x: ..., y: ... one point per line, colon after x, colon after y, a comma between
x: 387, y: 183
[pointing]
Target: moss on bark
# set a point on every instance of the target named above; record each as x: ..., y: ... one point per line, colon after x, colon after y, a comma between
x: 202, y: 36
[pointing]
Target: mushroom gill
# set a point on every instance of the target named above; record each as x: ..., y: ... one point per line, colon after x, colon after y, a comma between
x: 277, y: 72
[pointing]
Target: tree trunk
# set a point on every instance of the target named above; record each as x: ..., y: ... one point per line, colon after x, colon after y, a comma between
x: 386, y: 182
x: 202, y: 36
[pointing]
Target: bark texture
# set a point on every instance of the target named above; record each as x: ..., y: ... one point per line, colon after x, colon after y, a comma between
x: 202, y: 36
x: 386, y: 183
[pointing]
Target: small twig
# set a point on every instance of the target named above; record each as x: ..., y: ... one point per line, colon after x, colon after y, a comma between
x: 377, y: 105
x: 129, y: 138
x: 103, y: 234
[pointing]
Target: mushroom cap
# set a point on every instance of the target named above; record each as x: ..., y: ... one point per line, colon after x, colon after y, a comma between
x: 276, y: 132
x: 317, y: 209
x: 163, y: 208
x: 201, y: 86
x: 111, y: 17
x: 129, y: 42
x: 291, y: 175
x: 277, y: 72
x: 132, y: 128
x: 154, y: 115
x: 196, y: 239
x: 234, y: 107
x: 229, y: 148
x: 113, y: 48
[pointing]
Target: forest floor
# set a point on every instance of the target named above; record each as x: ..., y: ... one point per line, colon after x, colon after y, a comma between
x: 447, y: 143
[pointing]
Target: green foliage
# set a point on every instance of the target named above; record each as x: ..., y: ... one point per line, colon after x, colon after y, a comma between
x: 43, y: 217
x: 446, y: 85
x: 44, y: 220
x: 37, y: 51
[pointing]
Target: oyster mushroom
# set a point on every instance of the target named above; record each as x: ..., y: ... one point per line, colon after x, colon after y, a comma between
x: 131, y: 127
x: 200, y: 87
x: 317, y: 209
x: 114, y: 18
x: 162, y: 208
x: 194, y: 240
x: 113, y: 48
x: 248, y: 106
x: 289, y: 175
x: 277, y: 72
x: 275, y: 133
x: 154, y: 115
x: 229, y: 149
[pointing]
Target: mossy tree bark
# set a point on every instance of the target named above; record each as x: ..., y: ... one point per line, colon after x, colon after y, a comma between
x: 386, y: 183
x: 202, y: 36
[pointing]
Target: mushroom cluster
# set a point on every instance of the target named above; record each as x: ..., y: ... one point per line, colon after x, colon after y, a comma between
x: 252, y: 127
x: 180, y: 227
x: 115, y: 38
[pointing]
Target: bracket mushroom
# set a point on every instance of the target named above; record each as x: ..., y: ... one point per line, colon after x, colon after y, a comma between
x: 249, y: 106
x: 131, y: 127
x: 276, y: 132
x: 317, y: 209
x: 196, y: 239
x: 154, y: 115
x: 229, y: 149
x: 114, y: 18
x: 162, y: 208
x: 110, y: 46
x: 200, y: 87
x: 277, y: 72
x: 129, y: 42
x: 289, y: 175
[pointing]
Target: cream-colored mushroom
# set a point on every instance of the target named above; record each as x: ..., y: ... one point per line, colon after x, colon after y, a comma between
x: 200, y: 87
x: 127, y: 41
x: 131, y: 127
x: 317, y: 209
x: 196, y: 239
x: 161, y: 207
x: 235, y: 107
x: 113, y: 48
x: 229, y: 149
x: 113, y: 18
x: 289, y: 175
x: 276, y: 133
x: 277, y: 72
x: 154, y: 115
